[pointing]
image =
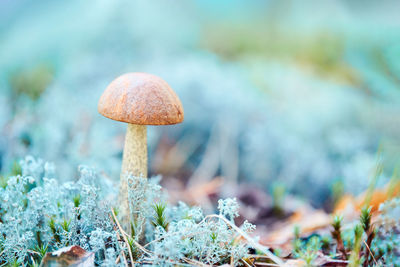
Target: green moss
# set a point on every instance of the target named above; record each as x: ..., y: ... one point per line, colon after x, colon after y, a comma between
x: 324, y: 51
x: 31, y: 82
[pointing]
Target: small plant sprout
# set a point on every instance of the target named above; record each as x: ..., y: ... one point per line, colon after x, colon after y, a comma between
x: 369, y: 230
x: 355, y: 259
x: 159, y: 217
x: 337, y: 235
x: 278, y: 197
x: 365, y: 219
x: 138, y: 99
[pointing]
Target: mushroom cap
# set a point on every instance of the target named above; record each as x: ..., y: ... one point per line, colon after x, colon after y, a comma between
x: 141, y: 98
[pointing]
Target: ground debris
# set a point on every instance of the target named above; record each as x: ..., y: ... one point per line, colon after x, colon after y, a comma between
x: 69, y: 256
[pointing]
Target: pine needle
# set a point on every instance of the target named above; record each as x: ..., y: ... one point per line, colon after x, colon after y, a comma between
x: 123, y: 236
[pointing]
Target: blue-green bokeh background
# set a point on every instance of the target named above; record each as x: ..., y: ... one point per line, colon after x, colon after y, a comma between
x: 301, y: 94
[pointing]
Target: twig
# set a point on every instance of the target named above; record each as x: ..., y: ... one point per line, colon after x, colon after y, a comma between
x: 257, y: 256
x: 123, y: 236
x: 31, y: 251
x: 124, y: 257
x: 229, y: 150
x: 245, y: 262
x: 209, y: 165
x: 137, y: 244
x: 194, y: 262
x: 176, y: 156
x: 370, y: 252
x: 122, y: 251
x: 251, y: 241
x: 171, y: 234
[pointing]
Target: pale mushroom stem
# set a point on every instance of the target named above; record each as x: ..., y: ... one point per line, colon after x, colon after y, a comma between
x: 134, y: 162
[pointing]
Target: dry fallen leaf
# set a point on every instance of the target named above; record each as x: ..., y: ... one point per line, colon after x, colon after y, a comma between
x: 321, y: 260
x: 308, y: 220
x: 195, y: 194
x: 349, y: 204
x: 295, y: 263
x: 69, y: 256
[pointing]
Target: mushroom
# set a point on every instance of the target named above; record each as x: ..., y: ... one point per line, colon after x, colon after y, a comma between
x: 138, y: 99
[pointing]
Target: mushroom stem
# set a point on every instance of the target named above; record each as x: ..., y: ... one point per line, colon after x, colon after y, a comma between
x: 135, y: 151
x: 134, y: 162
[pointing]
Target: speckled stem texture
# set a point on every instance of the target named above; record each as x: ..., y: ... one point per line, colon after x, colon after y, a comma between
x: 134, y: 162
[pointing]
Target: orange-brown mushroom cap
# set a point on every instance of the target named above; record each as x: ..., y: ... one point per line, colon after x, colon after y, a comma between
x: 141, y: 98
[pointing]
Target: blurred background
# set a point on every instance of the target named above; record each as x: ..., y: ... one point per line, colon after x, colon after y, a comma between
x: 280, y: 97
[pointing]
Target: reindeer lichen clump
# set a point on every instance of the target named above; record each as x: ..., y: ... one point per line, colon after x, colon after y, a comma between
x: 38, y: 215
